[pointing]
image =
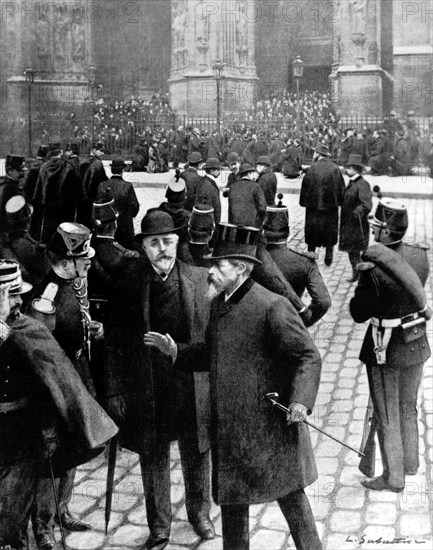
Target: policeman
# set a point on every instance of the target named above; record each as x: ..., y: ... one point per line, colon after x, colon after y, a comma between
x: 11, y: 184
x: 66, y: 287
x: 299, y: 268
x: 33, y: 173
x: 390, y: 293
x: 192, y: 178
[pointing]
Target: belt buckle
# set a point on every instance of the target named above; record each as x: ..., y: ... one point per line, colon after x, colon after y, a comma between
x: 409, y: 318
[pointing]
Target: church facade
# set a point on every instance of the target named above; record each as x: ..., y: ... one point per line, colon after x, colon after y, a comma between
x: 373, y: 55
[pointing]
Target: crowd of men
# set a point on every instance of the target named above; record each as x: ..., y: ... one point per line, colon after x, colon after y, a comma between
x: 180, y: 332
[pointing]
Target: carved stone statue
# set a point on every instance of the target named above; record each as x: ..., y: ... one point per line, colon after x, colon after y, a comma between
x: 78, y: 37
x: 359, y: 15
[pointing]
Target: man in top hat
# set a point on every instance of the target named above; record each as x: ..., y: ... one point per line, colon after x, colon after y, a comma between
x: 390, y: 294
x: 321, y: 195
x: 255, y: 344
x: 93, y: 174
x: 267, y: 179
x: 33, y: 173
x: 19, y: 245
x: 72, y: 151
x: 208, y: 190
x: 355, y: 209
x: 299, y: 268
x: 247, y: 203
x: 42, y: 402
x: 152, y: 402
x: 65, y: 286
x: 192, y: 178
x: 377, y: 154
x: 125, y: 200
x: 10, y: 185
x: 58, y: 196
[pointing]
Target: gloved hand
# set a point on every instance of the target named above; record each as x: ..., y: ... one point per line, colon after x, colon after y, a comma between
x: 298, y: 413
x: 117, y: 409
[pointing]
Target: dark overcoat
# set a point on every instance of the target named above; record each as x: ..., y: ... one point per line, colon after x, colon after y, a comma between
x: 209, y: 193
x: 268, y: 182
x: 127, y: 205
x: 257, y: 345
x: 357, y: 204
x: 93, y: 174
x: 247, y: 204
x: 130, y: 368
x: 192, y: 179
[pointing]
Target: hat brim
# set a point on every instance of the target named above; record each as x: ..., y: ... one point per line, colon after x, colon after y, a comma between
x: 234, y: 257
x: 352, y: 164
x: 22, y: 289
x: 140, y: 236
x: 88, y: 255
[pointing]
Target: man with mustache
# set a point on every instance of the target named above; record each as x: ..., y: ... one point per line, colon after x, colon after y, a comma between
x: 152, y: 402
x: 255, y: 344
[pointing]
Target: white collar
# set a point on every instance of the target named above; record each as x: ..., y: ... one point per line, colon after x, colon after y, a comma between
x: 354, y: 177
x: 166, y: 273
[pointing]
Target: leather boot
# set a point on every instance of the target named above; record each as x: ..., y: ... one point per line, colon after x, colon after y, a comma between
x: 329, y: 255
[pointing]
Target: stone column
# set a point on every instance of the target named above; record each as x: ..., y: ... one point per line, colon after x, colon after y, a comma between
x: 204, y: 31
x: 358, y: 78
x: 54, y: 39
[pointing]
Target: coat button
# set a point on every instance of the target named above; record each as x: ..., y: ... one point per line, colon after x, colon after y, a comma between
x: 8, y: 367
x: 412, y: 349
x: 423, y: 346
x: 415, y: 331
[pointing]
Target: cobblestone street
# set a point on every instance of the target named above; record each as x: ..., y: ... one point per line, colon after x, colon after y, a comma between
x: 348, y: 516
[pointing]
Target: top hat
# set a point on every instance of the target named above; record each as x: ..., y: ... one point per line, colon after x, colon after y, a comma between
x: 55, y: 146
x: 117, y: 164
x: 195, y: 158
x: 10, y: 275
x: 212, y: 163
x: 264, y: 160
x: 235, y: 242
x: 43, y: 151
x: 276, y: 224
x: 73, y: 146
x: 98, y: 145
x: 15, y: 162
x: 104, y: 212
x: 232, y: 157
x: 322, y: 150
x: 355, y: 160
x: 17, y: 206
x: 245, y: 169
x: 156, y: 222
x: 72, y: 240
x: 391, y: 214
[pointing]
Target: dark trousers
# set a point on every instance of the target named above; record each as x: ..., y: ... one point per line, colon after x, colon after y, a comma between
x: 17, y: 488
x: 297, y: 511
x: 44, y: 507
x: 394, y: 394
x: 155, y: 471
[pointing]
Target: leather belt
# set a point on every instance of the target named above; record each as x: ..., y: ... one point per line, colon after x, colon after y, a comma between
x: 10, y: 406
x: 393, y: 323
x: 382, y: 331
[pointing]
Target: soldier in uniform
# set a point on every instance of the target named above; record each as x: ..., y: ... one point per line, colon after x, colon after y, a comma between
x: 10, y: 185
x: 92, y: 174
x: 299, y: 268
x: 267, y: 179
x: 192, y: 178
x: 208, y: 190
x: 390, y: 294
x: 72, y: 152
x: 33, y: 173
x: 125, y: 199
x: 20, y: 246
x: 40, y: 394
x: 66, y: 286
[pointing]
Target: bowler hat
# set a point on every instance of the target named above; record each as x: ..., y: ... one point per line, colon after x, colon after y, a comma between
x: 322, y: 150
x: 276, y: 225
x: 98, y: 145
x: 264, y: 160
x: 104, y: 212
x: 55, y: 146
x: 117, y: 163
x: 232, y: 157
x: 235, y: 242
x: 355, y: 160
x: 195, y: 157
x: 212, y: 163
x: 10, y: 275
x: 15, y: 162
x: 156, y: 222
x: 43, y: 151
x: 391, y: 214
x: 245, y: 169
x: 72, y: 240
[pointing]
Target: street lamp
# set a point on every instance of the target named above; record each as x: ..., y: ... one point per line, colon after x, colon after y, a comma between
x: 29, y: 74
x: 298, y: 73
x: 92, y: 86
x: 218, y: 73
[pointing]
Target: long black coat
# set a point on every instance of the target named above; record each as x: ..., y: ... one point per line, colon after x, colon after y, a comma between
x: 247, y: 204
x: 130, y: 366
x: 357, y: 204
x: 268, y: 182
x: 257, y: 345
x: 209, y: 193
x: 192, y: 179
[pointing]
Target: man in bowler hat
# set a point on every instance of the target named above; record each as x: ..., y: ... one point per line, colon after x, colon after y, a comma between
x: 152, y: 402
x: 255, y: 344
x: 208, y: 190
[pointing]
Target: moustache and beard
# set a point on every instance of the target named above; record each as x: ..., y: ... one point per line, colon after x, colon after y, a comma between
x: 214, y: 288
x: 14, y: 313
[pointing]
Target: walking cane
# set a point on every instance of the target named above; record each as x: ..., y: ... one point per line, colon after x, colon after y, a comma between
x: 272, y: 397
x: 112, y: 452
x: 56, y: 500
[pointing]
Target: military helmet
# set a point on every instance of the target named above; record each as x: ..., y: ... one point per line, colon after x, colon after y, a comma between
x: 391, y: 214
x: 10, y: 276
x: 72, y: 240
x: 104, y: 211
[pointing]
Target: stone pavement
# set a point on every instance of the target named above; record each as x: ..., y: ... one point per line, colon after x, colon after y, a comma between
x: 348, y: 516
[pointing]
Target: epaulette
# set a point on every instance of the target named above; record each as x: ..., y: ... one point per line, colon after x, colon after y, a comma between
x: 125, y: 251
x: 422, y: 246
x: 365, y: 266
x: 306, y: 253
